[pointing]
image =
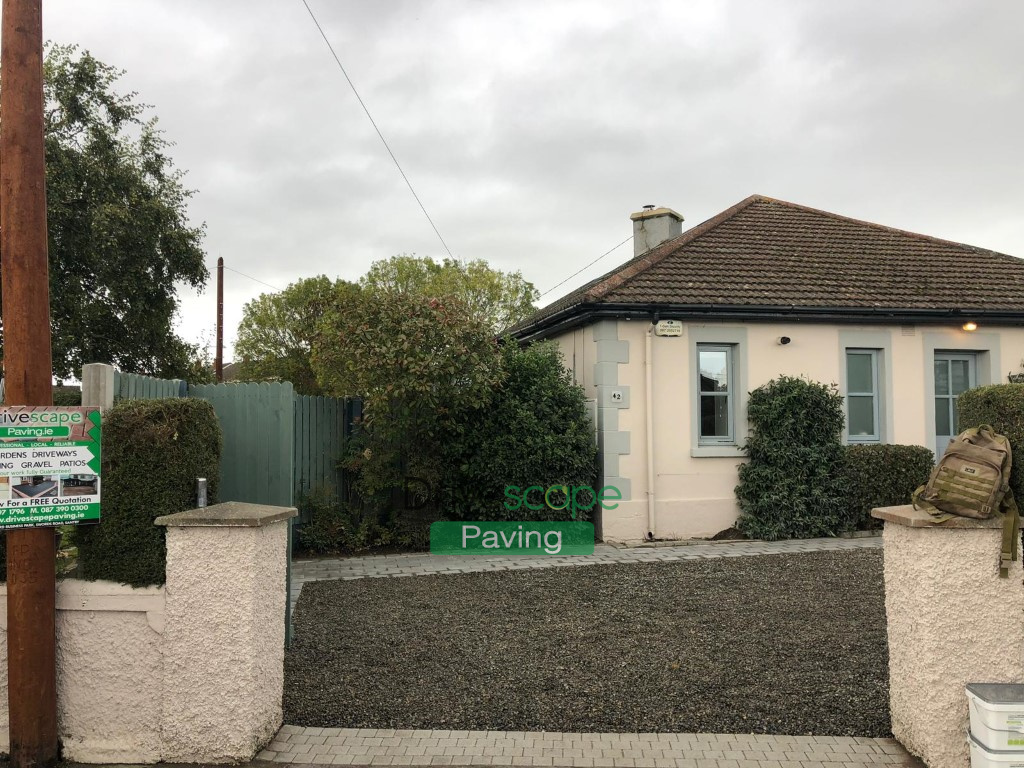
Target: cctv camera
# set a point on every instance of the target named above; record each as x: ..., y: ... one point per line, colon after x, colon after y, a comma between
x: 784, y: 340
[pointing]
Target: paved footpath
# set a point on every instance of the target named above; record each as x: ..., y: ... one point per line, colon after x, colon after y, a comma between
x: 425, y: 564
x: 369, y: 746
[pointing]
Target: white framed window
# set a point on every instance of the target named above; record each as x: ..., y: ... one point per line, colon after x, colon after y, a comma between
x: 862, y: 396
x: 717, y: 394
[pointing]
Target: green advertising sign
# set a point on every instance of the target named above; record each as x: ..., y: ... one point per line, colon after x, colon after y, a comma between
x: 49, y: 466
x: 512, y: 538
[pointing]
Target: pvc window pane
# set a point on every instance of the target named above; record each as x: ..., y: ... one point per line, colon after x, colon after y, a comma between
x: 960, y: 376
x: 943, y: 424
x: 942, y: 379
x: 860, y: 376
x: 714, y: 416
x: 714, y: 370
x: 861, y: 416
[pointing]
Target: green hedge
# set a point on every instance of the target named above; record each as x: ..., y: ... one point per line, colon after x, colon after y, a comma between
x: 1002, y: 406
x: 336, y: 527
x: 534, y: 432
x: 881, y: 476
x: 792, y: 485
x: 153, y: 451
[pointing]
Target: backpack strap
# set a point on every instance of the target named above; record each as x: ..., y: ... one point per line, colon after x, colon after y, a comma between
x: 1011, y: 533
x: 920, y: 502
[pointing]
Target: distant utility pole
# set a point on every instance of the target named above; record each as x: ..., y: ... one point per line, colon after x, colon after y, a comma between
x: 31, y: 577
x: 218, y: 363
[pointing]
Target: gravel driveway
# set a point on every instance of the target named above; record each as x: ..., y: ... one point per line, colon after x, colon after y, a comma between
x: 784, y: 644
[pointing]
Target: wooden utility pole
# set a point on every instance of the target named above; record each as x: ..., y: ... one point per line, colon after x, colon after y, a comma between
x: 31, y: 577
x: 218, y: 364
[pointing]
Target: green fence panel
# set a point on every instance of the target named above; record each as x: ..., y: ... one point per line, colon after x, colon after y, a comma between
x: 258, y: 421
x: 133, y: 386
x: 320, y: 433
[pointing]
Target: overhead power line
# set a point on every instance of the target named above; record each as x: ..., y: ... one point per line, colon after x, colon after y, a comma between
x: 374, y: 124
x: 278, y: 290
x: 588, y: 266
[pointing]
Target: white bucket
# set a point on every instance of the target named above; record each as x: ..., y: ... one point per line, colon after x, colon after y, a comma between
x: 994, y: 758
x: 997, y: 715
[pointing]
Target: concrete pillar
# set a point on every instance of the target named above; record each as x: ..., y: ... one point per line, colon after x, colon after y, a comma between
x: 98, y: 383
x: 951, y: 621
x: 224, y: 630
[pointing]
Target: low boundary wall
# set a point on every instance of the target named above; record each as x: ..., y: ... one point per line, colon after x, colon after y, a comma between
x: 192, y: 671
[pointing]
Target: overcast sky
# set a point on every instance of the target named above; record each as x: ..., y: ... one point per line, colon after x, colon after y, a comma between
x: 532, y: 129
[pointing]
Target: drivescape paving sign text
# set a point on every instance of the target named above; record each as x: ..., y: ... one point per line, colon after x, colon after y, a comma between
x: 49, y: 466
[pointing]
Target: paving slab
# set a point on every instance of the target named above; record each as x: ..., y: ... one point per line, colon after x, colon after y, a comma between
x: 368, y: 746
x: 422, y: 564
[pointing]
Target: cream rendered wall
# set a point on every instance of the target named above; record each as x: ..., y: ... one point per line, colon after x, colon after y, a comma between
x: 574, y: 347
x: 694, y: 494
x: 189, y: 672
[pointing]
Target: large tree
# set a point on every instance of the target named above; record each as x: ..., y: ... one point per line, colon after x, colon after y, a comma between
x: 500, y: 299
x: 278, y: 330
x: 119, y: 234
x: 418, y: 363
x: 275, y: 337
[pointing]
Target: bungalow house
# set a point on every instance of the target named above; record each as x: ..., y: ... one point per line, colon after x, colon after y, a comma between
x: 671, y: 342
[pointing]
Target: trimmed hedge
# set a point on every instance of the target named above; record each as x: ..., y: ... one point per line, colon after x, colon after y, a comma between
x: 534, y: 432
x: 153, y: 451
x: 881, y: 476
x: 1002, y: 406
x: 792, y: 485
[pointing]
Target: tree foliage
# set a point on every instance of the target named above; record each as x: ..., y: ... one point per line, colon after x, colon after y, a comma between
x: 119, y: 235
x: 417, y: 363
x: 499, y: 299
x: 275, y: 337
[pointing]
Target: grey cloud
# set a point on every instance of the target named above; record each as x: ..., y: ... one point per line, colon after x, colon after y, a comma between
x: 531, y: 130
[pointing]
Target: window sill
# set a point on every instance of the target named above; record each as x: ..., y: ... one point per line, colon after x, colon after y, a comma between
x: 717, y: 451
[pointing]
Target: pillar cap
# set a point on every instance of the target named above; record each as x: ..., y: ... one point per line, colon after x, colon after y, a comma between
x: 918, y: 518
x: 231, y: 514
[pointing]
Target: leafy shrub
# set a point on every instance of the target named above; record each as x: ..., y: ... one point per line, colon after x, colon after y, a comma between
x: 339, y: 527
x: 534, y: 431
x: 881, y: 476
x: 1002, y: 406
x: 417, y: 363
x: 67, y: 395
x: 792, y: 485
x: 153, y: 451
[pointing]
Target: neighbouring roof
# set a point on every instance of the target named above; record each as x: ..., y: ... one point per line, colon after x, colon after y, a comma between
x: 765, y: 258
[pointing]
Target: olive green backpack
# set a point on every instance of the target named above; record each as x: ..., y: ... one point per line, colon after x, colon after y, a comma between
x: 972, y: 479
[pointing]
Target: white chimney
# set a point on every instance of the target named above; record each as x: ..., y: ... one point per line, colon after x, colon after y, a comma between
x: 653, y: 226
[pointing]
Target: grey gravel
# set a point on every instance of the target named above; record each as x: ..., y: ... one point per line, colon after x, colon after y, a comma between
x: 781, y: 644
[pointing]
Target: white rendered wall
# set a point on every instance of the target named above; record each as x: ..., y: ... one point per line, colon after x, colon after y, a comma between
x: 189, y: 672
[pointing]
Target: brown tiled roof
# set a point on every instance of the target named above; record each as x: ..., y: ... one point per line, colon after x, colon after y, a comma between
x: 768, y: 253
